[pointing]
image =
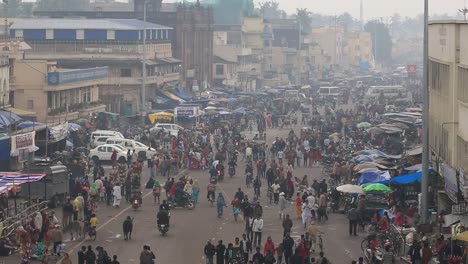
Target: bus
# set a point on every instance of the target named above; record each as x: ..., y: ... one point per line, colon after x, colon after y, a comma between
x: 331, y: 91
x: 388, y: 91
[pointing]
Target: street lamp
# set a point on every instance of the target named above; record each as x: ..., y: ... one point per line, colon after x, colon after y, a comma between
x: 425, y: 117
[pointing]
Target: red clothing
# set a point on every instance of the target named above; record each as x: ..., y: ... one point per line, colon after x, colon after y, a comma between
x: 298, y: 201
x: 269, y: 246
x: 399, y: 219
x: 383, y: 224
x: 173, y: 189
x: 302, y: 250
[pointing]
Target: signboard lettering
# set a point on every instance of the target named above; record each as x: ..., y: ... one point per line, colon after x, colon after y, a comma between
x: 22, y: 141
x: 56, y: 78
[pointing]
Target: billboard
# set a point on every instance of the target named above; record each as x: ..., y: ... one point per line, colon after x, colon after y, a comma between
x: 79, y: 75
x: 411, y: 69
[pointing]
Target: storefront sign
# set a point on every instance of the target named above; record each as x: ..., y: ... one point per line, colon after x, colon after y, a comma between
x: 187, y: 111
x: 56, y: 78
x: 451, y: 185
x: 22, y: 141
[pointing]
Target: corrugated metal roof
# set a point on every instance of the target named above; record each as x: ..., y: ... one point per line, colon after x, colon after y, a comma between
x: 104, y: 24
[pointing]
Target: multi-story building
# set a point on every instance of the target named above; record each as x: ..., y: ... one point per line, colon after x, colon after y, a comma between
x: 229, y: 44
x: 448, y: 93
x: 116, y: 43
x: 194, y: 43
x: 192, y: 38
x: 358, y: 49
x: 57, y: 94
x: 331, y: 40
x: 4, y: 81
x: 225, y: 72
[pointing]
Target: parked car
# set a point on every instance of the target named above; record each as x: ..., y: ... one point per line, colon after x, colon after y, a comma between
x: 104, y: 153
x: 130, y: 144
x: 173, y: 129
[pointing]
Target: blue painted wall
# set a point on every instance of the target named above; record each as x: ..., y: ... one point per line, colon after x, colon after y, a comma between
x: 94, y: 34
x: 126, y: 35
x: 34, y: 34
x: 64, y: 34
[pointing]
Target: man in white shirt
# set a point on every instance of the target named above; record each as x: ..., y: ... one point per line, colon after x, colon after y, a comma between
x: 248, y: 153
x: 276, y: 191
x: 257, y: 228
x: 280, y: 156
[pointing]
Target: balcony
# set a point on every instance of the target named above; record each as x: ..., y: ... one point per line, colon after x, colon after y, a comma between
x: 91, y: 110
x: 75, y: 111
x: 153, y: 79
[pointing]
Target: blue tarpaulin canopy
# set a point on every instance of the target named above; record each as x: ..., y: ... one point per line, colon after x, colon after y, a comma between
x: 8, y: 118
x: 375, y: 153
x: 374, y: 177
x: 27, y: 124
x: 182, y: 94
x: 408, y: 178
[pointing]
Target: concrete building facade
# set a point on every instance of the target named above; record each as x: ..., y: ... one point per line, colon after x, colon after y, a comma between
x: 448, y: 91
x: 56, y: 94
x: 4, y: 81
x: 116, y: 43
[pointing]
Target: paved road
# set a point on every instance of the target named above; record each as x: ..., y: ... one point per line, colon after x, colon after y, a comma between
x: 190, y: 229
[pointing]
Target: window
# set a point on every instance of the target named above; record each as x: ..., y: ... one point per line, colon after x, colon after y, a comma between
x: 462, y: 154
x: 110, y: 149
x: 30, y: 104
x: 80, y: 34
x: 102, y: 149
x: 125, y: 73
x: 110, y: 34
x: 86, y: 92
x: 49, y: 34
x: 462, y: 92
x: 219, y: 69
x: 439, y: 76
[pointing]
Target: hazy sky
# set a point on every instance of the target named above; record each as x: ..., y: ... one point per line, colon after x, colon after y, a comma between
x: 373, y: 8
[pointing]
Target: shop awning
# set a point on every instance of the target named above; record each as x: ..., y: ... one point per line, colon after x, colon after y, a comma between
x: 160, y: 116
x: 173, y: 96
x: 20, y: 112
x: 8, y: 180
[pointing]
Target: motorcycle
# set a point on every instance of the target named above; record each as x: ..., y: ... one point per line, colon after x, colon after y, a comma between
x: 163, y: 229
x: 232, y: 171
x: 220, y: 175
x: 185, y: 201
x: 135, y: 203
x: 92, y: 232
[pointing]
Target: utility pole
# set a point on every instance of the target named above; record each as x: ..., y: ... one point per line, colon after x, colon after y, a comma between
x: 425, y: 123
x: 299, y: 47
x: 143, y: 80
x: 334, y: 57
x: 5, y: 3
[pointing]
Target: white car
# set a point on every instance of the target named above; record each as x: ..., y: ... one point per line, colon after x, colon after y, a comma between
x: 104, y: 153
x: 130, y: 144
x: 173, y: 129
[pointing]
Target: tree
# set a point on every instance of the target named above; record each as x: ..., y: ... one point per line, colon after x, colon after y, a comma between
x: 346, y: 21
x: 303, y: 18
x: 270, y: 9
x: 382, y: 42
